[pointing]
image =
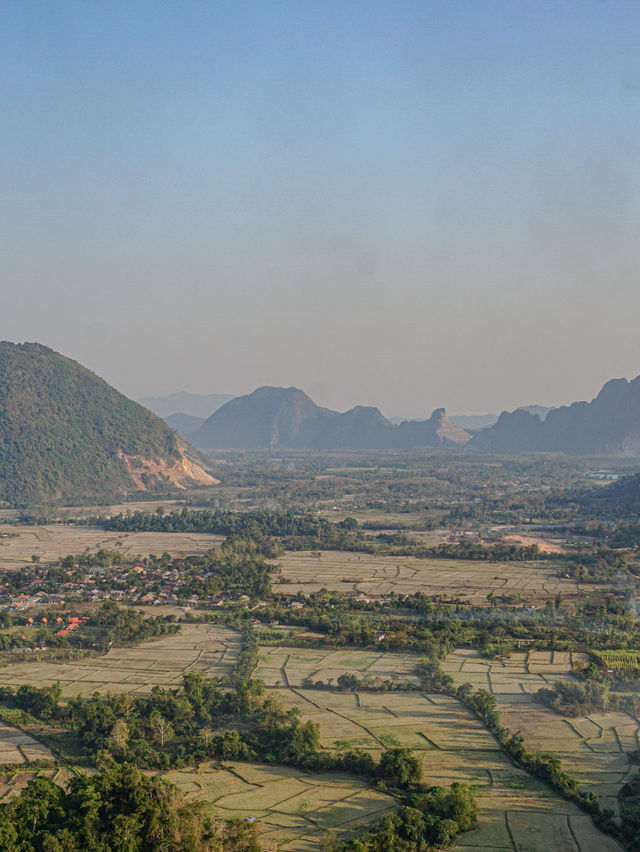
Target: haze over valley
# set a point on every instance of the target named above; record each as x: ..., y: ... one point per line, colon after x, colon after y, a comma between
x: 320, y: 426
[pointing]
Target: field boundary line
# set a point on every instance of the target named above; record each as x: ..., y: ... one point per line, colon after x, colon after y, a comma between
x: 617, y: 736
x: 233, y: 771
x: 573, y: 834
x: 509, y: 832
x: 358, y: 725
x: 283, y: 672
x: 430, y: 741
x: 582, y: 738
x: 301, y: 695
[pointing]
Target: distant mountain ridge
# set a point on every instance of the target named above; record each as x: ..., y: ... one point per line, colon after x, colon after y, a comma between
x: 608, y: 425
x: 272, y: 417
x: 195, y: 404
x: 66, y: 434
x: 482, y: 421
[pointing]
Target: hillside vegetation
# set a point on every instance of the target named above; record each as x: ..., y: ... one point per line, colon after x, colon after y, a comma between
x: 66, y: 434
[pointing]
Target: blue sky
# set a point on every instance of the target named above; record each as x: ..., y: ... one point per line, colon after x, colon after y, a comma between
x: 393, y: 203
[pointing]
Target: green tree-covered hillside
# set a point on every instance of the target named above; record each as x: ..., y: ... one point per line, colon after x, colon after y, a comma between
x: 63, y: 431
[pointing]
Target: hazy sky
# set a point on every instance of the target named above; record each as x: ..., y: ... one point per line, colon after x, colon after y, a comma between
x: 408, y: 204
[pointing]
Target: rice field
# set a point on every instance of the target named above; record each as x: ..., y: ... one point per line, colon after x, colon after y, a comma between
x: 209, y: 649
x: 517, y: 812
x: 55, y: 541
x: 594, y: 748
x: 293, y: 809
x: 18, y: 747
x: 12, y: 782
x: 471, y: 582
x: 282, y: 666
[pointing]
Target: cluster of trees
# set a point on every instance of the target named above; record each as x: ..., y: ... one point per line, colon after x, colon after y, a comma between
x: 108, y: 625
x: 298, y: 531
x: 303, y: 531
x: 618, y: 533
x: 173, y: 727
x: 367, y: 683
x: 494, y: 630
x: 629, y: 798
x: 580, y: 699
x: 117, y: 809
x: 429, y: 819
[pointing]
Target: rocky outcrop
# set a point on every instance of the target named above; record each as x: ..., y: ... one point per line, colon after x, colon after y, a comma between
x: 288, y: 418
x: 608, y: 425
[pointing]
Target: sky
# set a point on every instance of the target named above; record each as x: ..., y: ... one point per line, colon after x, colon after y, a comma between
x: 402, y: 204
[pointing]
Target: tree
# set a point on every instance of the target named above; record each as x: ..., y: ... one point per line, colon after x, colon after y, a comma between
x: 161, y: 728
x: 400, y: 767
x: 116, y: 809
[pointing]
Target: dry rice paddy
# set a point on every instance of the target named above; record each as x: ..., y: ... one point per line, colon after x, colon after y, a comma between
x: 593, y: 748
x: 517, y: 812
x: 471, y: 582
x: 18, y: 747
x: 294, y: 809
x: 12, y: 782
x: 205, y: 648
x: 56, y: 541
x: 282, y: 666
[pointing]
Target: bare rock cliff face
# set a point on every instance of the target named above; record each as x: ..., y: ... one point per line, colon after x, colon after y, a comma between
x: 288, y: 418
x: 608, y: 425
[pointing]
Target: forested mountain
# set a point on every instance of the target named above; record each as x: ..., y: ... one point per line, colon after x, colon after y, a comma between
x: 66, y: 434
x: 288, y: 418
x: 608, y: 425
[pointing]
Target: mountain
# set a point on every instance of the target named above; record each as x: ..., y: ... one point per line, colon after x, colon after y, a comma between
x: 608, y: 425
x: 288, y: 418
x: 186, y: 425
x: 474, y: 421
x: 65, y: 434
x: 481, y: 421
x: 195, y: 404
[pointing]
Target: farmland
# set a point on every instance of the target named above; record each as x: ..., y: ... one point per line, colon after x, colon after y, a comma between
x: 294, y: 809
x: 55, y: 541
x: 594, y: 748
x: 282, y: 666
x: 15, y: 780
x: 18, y: 747
x: 201, y: 648
x: 624, y: 661
x: 516, y: 811
x: 494, y: 614
x: 463, y: 580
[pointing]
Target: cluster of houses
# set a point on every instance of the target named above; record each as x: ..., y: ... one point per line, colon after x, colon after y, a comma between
x: 146, y: 584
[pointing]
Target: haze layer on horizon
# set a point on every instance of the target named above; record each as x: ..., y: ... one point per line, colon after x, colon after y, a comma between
x: 402, y: 204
